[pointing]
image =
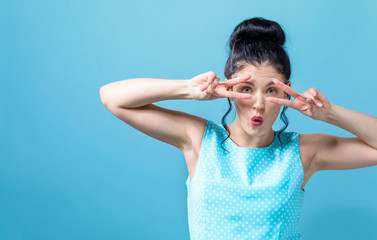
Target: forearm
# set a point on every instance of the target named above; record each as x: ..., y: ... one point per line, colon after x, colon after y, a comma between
x: 360, y: 124
x: 138, y: 92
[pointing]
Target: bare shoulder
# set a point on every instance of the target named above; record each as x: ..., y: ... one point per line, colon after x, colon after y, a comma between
x: 309, y: 145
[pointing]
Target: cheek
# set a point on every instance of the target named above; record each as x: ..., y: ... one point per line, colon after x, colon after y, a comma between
x: 280, y: 94
x: 273, y: 106
x: 244, y: 104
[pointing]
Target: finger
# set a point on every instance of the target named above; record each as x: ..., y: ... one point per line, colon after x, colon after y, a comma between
x: 211, y: 76
x: 286, y: 88
x: 282, y: 101
x: 310, y: 98
x: 237, y: 80
x: 315, y: 97
x: 321, y: 97
x: 204, y: 87
x: 316, y: 101
x: 212, y: 87
x: 215, y: 83
x: 209, y: 89
x: 227, y: 94
x: 216, y: 80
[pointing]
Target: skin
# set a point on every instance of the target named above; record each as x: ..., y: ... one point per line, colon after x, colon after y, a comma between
x: 264, y: 101
x: 129, y: 101
x: 327, y: 152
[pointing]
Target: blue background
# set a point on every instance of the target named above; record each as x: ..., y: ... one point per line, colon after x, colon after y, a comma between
x: 69, y: 169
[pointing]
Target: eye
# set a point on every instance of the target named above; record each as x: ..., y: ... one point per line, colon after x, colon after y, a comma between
x: 273, y: 89
x: 245, y: 88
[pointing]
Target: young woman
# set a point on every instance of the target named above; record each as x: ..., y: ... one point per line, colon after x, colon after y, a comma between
x: 246, y: 181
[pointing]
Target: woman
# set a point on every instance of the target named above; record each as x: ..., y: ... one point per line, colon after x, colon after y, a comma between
x: 245, y: 180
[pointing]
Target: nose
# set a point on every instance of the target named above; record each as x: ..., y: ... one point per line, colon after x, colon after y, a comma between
x: 259, y: 101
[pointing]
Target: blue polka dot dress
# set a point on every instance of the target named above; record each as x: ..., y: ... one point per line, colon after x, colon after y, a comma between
x: 248, y: 193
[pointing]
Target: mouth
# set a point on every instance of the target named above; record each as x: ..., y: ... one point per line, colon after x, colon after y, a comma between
x: 257, y: 120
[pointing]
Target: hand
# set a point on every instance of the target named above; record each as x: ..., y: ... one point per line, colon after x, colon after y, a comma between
x: 311, y: 103
x: 207, y: 86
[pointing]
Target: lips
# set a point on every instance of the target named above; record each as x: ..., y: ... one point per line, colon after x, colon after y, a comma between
x: 257, y: 118
x: 257, y: 121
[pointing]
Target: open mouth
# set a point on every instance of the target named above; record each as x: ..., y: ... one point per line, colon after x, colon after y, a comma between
x: 257, y: 122
x: 257, y: 118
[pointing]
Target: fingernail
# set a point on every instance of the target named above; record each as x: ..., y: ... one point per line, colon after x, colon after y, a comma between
x: 319, y: 104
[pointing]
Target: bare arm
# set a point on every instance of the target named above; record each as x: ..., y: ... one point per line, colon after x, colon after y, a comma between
x: 362, y: 125
x: 335, y: 153
x: 332, y: 152
x: 131, y: 101
x: 138, y: 92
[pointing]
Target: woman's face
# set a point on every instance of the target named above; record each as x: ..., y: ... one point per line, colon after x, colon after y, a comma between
x: 258, y: 105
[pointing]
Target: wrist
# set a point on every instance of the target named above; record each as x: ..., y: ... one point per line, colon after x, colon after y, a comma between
x: 186, y: 89
x: 331, y: 113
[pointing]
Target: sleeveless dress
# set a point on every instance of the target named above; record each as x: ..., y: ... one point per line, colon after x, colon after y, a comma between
x: 245, y: 193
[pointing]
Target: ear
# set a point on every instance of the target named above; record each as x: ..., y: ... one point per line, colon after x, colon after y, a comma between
x: 230, y: 89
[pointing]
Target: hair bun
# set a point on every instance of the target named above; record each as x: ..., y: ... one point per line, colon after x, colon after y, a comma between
x: 257, y: 29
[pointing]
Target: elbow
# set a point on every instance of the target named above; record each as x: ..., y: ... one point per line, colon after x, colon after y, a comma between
x: 102, y: 95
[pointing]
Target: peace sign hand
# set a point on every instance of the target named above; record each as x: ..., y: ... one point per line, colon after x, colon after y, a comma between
x: 311, y: 103
x: 207, y: 86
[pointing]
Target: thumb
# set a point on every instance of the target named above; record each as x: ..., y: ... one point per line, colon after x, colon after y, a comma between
x: 211, y: 76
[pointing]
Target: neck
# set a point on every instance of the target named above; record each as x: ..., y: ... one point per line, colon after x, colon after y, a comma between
x: 244, y: 139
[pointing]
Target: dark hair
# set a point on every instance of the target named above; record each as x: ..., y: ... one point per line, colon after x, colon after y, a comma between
x: 257, y: 41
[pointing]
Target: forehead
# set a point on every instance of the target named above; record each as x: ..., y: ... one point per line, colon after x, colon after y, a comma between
x: 263, y: 73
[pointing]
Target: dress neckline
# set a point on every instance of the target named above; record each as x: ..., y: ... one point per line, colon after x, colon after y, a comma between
x: 232, y: 143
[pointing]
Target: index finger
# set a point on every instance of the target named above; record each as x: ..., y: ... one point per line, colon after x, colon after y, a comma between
x: 229, y: 94
x: 286, y: 88
x: 236, y: 80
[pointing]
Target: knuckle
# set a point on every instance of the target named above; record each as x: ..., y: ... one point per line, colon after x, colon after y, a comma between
x: 211, y: 73
x: 313, y: 90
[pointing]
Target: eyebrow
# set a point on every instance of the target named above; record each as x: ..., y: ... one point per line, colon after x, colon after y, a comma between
x: 268, y: 84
